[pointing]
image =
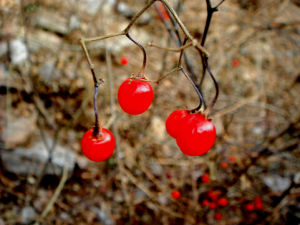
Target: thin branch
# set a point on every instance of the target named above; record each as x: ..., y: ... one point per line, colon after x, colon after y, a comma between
x: 196, y: 89
x: 142, y: 71
x: 183, y: 28
x: 56, y: 193
x: 172, y: 49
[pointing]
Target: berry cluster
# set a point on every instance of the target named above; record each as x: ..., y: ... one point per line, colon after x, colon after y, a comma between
x: 257, y: 204
x: 213, y: 201
x: 194, y: 133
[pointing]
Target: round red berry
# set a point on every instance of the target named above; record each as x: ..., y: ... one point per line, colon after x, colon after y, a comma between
x: 249, y: 207
x: 176, y: 194
x: 231, y: 158
x: 205, y: 203
x: 205, y: 178
x: 223, y: 202
x: 124, y: 61
x: 197, y: 135
x: 258, y: 203
x: 224, y: 165
x: 135, y: 96
x: 213, y: 195
x: 218, y: 216
x: 212, y: 205
x: 100, y: 148
x: 174, y: 121
x: 235, y: 62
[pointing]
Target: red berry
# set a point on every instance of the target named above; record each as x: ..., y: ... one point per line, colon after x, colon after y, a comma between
x: 235, y: 62
x: 98, y: 149
x: 135, y: 96
x: 124, y: 61
x: 223, y: 202
x: 257, y: 199
x: 212, y: 205
x: 249, y: 207
x: 163, y: 11
x: 224, y: 165
x: 258, y: 203
x: 218, y: 216
x: 231, y: 158
x: 205, y: 178
x: 205, y: 203
x: 176, y: 194
x: 168, y: 175
x: 174, y: 121
x: 197, y: 135
x: 213, y: 195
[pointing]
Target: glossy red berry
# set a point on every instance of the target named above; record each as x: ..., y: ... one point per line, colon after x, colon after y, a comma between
x: 205, y: 178
x: 218, y: 216
x: 176, y: 194
x: 124, y: 61
x: 175, y: 121
x: 135, y: 96
x: 98, y: 149
x: 223, y: 202
x: 249, y: 207
x: 197, y: 135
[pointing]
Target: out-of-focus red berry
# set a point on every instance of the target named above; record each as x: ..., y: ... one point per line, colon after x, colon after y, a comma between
x: 257, y: 199
x: 168, y: 175
x: 249, y: 207
x: 205, y: 203
x: 231, y: 158
x: 124, y: 61
x: 162, y: 10
x: 176, y: 194
x: 213, y: 195
x: 258, y: 203
x: 224, y: 165
x: 205, y: 178
x: 212, y: 205
x: 235, y: 62
x: 218, y: 216
x: 223, y: 202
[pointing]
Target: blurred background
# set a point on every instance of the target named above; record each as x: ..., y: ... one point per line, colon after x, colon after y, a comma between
x: 46, y: 92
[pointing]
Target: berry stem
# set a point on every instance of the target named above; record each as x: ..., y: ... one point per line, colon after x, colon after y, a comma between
x: 196, y: 88
x: 142, y: 71
x: 179, y: 49
x: 97, y: 131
